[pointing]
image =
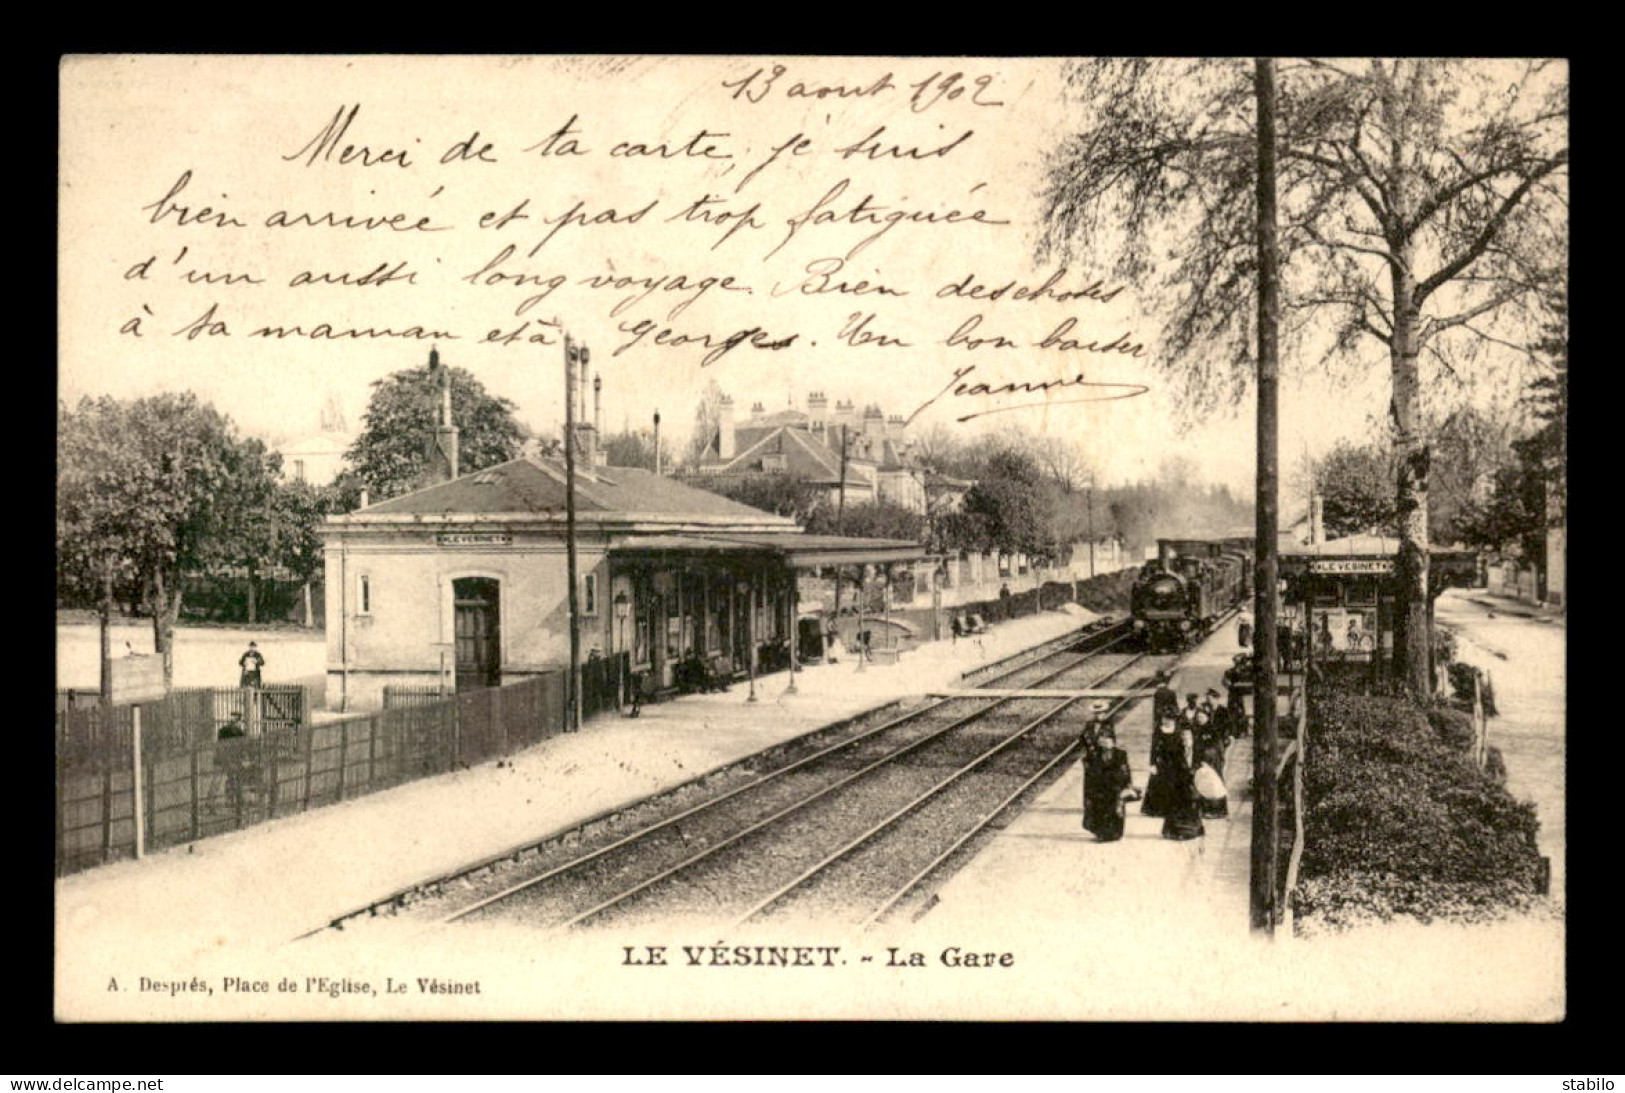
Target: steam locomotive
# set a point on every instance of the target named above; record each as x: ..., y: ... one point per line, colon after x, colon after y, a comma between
x: 1179, y: 597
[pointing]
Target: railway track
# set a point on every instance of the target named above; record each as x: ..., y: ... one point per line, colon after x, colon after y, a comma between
x: 822, y: 820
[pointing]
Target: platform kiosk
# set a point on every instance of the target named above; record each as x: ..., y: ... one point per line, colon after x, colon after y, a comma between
x: 1338, y: 601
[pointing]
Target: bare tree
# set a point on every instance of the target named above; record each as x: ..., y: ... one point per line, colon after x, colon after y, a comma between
x: 1423, y: 205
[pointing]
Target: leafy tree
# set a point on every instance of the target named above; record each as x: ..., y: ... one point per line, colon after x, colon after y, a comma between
x: 1422, y: 205
x: 255, y: 528
x: 1513, y: 517
x: 707, y: 419
x: 1549, y: 398
x: 1469, y: 447
x: 877, y: 520
x: 780, y: 494
x: 1012, y: 507
x: 150, y: 490
x: 1356, y: 487
x: 390, y: 455
x: 629, y: 449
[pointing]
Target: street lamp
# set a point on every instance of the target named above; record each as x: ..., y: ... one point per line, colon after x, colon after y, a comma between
x: 744, y: 588
x: 623, y: 608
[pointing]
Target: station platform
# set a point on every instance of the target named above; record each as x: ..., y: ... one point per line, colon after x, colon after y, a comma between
x: 1063, y: 879
x: 259, y: 888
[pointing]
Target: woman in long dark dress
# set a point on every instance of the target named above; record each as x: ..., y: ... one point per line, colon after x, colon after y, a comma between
x: 1184, y: 818
x: 1210, y: 747
x: 1158, y: 788
x: 1106, y: 778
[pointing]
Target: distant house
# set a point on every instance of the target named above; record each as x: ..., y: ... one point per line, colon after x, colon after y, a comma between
x: 881, y: 462
x: 317, y: 457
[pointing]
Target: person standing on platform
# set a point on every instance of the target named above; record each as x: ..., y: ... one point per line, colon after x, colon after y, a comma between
x: 1187, y: 716
x: 250, y: 662
x: 1244, y: 630
x: 1236, y: 678
x: 1165, y: 703
x: 1108, y: 785
x: 1184, y: 818
x: 1159, y: 787
x: 1209, y: 751
x: 1218, y: 716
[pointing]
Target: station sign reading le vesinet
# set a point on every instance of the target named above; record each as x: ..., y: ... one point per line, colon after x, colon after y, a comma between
x: 1351, y: 565
x: 475, y: 539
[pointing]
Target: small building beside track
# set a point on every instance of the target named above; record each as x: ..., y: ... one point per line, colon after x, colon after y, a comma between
x: 462, y: 583
x: 1339, y: 597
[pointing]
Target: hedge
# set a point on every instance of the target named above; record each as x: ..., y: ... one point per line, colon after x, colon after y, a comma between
x: 1399, y: 821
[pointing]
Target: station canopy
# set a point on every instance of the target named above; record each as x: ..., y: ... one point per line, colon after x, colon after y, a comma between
x: 1374, y: 555
x: 798, y: 550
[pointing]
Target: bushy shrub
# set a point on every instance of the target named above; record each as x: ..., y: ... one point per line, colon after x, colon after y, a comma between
x: 1357, y: 899
x: 1392, y: 802
x: 1108, y: 593
x: 1454, y: 727
x: 1444, y: 645
x: 1462, y: 677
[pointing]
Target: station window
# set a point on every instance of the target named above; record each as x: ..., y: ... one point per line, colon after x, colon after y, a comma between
x: 363, y: 595
x: 298, y: 470
x: 589, y: 594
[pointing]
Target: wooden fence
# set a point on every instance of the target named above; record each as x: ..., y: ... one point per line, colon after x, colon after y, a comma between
x: 195, y: 784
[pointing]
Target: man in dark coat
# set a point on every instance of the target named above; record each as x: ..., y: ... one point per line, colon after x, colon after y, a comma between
x: 250, y: 662
x: 1107, y: 784
x: 1187, y: 716
x: 1165, y: 703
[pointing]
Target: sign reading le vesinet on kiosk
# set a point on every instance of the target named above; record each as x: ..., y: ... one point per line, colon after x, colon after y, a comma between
x: 476, y: 539
x: 1351, y: 565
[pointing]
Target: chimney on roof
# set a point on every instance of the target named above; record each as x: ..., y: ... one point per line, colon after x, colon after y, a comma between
x: 817, y: 410
x: 725, y: 426
x: 598, y: 420
x: 894, y: 429
x: 757, y: 412
x: 442, y: 461
x: 874, y: 424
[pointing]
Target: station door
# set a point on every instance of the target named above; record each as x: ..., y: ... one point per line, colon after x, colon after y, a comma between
x: 477, y: 611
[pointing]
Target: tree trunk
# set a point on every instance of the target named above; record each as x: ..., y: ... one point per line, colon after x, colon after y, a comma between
x: 253, y: 584
x: 307, y: 604
x: 1412, y: 642
x: 166, y: 609
x: 107, y: 639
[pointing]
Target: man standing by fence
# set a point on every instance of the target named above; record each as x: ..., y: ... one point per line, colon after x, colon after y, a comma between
x: 250, y: 662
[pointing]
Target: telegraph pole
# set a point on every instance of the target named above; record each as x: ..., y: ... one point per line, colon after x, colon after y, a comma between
x: 1266, y: 842
x: 573, y: 354
x: 840, y: 518
x: 1089, y: 515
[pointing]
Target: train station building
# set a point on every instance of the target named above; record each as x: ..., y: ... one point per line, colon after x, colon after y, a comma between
x: 1340, y: 595
x: 462, y: 583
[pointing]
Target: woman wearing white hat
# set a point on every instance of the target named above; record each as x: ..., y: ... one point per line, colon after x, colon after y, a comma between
x: 1108, y: 785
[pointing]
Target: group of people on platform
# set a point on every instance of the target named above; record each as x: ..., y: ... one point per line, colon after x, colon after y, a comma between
x: 1186, y: 786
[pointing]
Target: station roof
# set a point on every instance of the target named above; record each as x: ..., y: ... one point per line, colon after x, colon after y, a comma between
x: 536, y: 486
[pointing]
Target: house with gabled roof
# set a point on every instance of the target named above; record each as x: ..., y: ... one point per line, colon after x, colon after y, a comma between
x: 869, y: 454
